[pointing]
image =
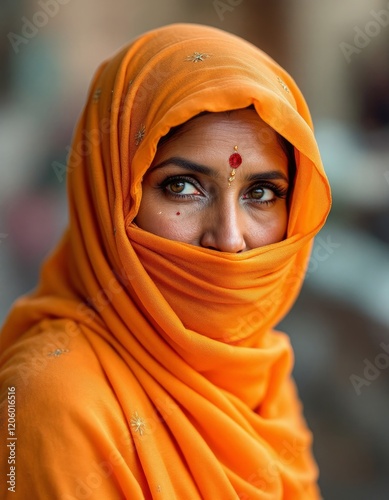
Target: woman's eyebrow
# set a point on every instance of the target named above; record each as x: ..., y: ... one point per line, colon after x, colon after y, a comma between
x: 187, y: 165
x: 268, y: 175
x: 192, y: 166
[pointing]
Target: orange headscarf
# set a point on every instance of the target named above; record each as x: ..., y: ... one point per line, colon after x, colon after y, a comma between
x: 148, y: 368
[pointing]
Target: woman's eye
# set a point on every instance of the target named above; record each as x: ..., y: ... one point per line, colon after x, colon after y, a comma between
x: 261, y: 193
x: 182, y: 187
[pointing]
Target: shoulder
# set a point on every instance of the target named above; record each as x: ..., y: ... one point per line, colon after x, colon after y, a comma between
x: 53, y: 365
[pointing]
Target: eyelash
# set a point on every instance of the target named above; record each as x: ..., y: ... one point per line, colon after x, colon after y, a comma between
x: 170, y: 180
x: 279, y: 192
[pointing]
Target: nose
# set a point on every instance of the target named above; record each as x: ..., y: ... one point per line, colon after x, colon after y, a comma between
x: 224, y: 229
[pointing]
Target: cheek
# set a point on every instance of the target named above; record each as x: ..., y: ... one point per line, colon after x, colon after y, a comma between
x: 168, y: 222
x: 271, y: 230
x: 174, y: 226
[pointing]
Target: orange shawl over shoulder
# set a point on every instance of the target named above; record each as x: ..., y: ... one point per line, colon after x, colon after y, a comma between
x: 148, y: 368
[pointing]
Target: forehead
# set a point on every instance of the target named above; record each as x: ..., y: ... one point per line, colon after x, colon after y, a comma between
x: 241, y: 119
x: 210, y: 132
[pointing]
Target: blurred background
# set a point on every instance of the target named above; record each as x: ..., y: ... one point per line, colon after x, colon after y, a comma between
x: 338, y: 52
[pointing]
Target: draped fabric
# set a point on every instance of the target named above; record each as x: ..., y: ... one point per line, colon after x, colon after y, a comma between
x: 149, y: 368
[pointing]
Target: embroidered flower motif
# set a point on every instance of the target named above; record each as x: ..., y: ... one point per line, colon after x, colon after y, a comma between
x: 285, y: 87
x: 96, y: 95
x: 57, y: 352
x: 138, y: 423
x: 197, y: 57
x: 140, y: 135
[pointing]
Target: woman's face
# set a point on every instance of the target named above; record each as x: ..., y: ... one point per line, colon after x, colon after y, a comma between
x: 186, y: 196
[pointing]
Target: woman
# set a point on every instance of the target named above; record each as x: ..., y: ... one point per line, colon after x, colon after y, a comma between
x: 145, y: 364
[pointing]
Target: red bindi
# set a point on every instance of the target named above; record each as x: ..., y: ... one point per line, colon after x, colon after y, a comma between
x: 235, y: 160
x: 178, y: 213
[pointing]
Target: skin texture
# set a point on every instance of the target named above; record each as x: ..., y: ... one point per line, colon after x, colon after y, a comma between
x: 186, y: 196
